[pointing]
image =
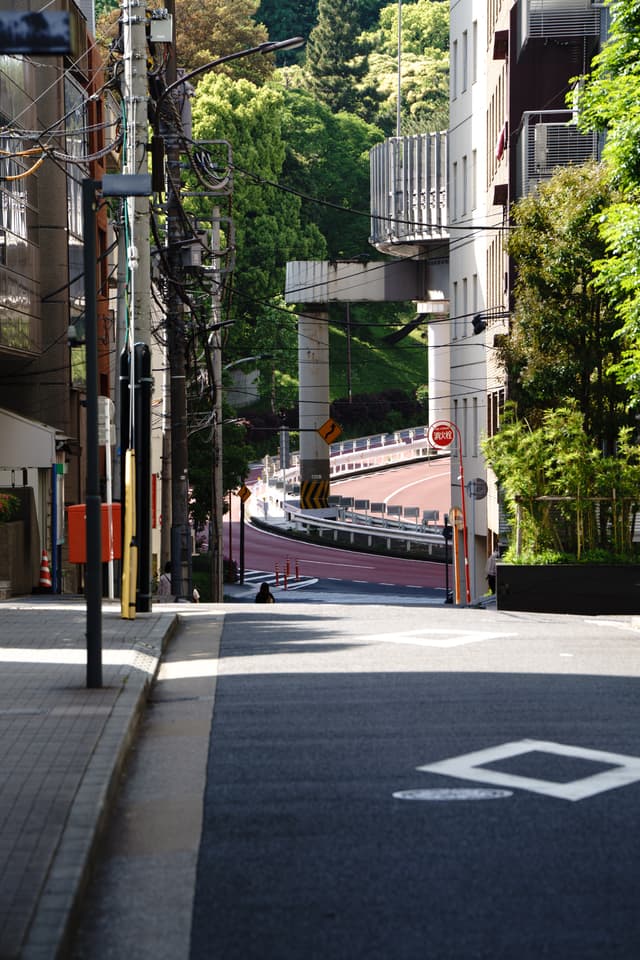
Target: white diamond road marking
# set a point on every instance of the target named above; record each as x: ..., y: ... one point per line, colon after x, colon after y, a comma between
x: 429, y: 637
x: 468, y: 766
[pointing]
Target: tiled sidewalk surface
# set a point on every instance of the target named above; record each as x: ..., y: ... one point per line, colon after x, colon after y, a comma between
x: 61, y: 748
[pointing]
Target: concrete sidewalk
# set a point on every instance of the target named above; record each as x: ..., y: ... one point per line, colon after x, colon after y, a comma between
x: 62, y: 747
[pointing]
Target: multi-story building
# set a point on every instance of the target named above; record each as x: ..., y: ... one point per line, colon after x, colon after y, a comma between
x: 511, y: 69
x: 52, y: 135
x: 512, y: 66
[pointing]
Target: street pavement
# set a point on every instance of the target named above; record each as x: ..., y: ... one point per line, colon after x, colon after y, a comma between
x: 63, y: 746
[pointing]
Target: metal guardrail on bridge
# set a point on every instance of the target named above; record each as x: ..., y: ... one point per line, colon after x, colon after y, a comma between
x: 364, y: 453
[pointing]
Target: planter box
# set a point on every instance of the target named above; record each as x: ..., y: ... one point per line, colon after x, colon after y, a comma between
x: 569, y: 588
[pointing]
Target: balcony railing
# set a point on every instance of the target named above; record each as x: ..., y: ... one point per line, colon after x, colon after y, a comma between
x: 408, y: 191
x: 547, y: 141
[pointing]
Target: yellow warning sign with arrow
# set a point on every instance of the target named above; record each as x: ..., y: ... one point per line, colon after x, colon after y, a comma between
x: 330, y: 431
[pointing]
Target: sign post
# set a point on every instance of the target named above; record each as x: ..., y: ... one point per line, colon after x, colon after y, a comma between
x: 441, y: 435
x: 243, y: 493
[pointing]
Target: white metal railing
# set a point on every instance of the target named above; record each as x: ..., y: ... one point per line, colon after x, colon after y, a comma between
x: 365, y: 453
x: 408, y: 189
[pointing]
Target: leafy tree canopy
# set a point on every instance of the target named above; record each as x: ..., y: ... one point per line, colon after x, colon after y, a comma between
x: 562, y: 341
x: 205, y: 31
x: 424, y: 66
x: 288, y: 18
x: 336, y: 61
x: 328, y: 158
x: 268, y: 223
x: 610, y: 101
x: 208, y: 29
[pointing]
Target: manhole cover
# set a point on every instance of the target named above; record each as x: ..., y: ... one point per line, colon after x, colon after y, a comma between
x: 455, y: 793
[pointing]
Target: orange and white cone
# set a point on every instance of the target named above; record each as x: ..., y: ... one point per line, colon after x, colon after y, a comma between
x: 45, y: 572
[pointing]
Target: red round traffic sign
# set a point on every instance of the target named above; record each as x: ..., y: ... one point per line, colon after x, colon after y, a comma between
x: 441, y: 434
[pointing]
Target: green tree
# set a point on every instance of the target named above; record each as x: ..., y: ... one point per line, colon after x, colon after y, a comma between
x: 288, y: 18
x: 610, y: 101
x: 209, y: 29
x: 327, y: 157
x: 267, y: 220
x: 205, y: 31
x: 562, y: 495
x: 424, y: 66
x: 562, y: 341
x: 336, y: 62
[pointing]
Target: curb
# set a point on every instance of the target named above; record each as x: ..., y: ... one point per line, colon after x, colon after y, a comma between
x: 61, y: 897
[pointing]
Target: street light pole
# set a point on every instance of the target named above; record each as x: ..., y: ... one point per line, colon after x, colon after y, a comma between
x: 110, y: 186
x: 93, y: 581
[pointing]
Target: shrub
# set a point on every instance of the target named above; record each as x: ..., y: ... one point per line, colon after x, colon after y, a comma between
x: 9, y: 507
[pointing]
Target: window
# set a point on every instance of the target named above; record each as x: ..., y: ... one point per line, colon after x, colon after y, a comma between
x: 456, y: 319
x: 465, y: 427
x: 464, y: 185
x: 474, y: 52
x: 474, y: 429
x: 474, y: 180
x: 454, y: 70
x: 454, y: 192
x: 465, y: 61
x: 465, y: 302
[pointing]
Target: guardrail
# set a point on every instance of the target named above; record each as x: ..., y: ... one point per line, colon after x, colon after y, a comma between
x: 357, y: 534
x: 365, y: 453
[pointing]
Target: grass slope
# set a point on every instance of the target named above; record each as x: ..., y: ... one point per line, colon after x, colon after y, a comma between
x: 375, y: 365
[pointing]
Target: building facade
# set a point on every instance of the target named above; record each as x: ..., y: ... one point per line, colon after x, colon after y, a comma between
x: 512, y: 66
x: 53, y: 134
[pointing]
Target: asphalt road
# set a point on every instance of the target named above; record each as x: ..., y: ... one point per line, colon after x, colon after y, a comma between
x: 329, y: 832
x: 425, y: 485
x: 321, y: 721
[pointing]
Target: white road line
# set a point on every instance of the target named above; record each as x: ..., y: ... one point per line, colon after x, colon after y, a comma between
x: 470, y: 766
x: 429, y: 637
x: 414, y: 483
x: 332, y: 563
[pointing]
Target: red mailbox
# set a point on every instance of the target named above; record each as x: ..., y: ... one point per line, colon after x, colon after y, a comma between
x: 111, y: 532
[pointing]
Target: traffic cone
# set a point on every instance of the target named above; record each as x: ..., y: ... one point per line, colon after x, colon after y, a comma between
x: 45, y: 572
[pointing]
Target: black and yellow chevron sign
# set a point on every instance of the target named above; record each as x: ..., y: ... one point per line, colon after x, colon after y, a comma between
x: 314, y: 494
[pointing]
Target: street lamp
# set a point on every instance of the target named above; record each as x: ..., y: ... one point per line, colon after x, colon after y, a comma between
x: 270, y: 46
x: 479, y: 320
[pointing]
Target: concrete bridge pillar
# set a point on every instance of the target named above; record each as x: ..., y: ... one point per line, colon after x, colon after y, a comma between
x: 313, y: 372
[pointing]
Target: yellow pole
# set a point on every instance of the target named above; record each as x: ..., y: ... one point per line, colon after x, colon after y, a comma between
x: 455, y: 517
x: 129, y: 547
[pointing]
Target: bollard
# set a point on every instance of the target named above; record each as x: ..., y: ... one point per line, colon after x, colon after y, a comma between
x: 297, y: 572
x: 287, y: 567
x: 285, y: 580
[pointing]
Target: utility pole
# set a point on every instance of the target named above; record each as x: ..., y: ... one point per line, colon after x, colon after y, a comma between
x: 180, y: 531
x: 169, y: 121
x: 135, y: 94
x: 217, y: 503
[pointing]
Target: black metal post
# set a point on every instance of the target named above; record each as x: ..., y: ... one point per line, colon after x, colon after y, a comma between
x: 142, y: 444
x: 93, y: 579
x: 447, y: 532
x: 241, y: 539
